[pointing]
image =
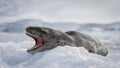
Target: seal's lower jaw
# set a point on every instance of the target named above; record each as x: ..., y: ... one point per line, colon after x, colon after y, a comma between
x: 39, y: 42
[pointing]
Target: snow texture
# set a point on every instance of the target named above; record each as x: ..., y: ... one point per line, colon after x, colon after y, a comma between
x: 13, y: 53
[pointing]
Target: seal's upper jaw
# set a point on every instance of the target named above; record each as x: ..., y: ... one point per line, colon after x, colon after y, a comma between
x: 39, y: 42
x: 28, y: 29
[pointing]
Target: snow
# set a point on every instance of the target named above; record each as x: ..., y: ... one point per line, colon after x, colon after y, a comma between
x: 13, y: 53
x: 14, y: 43
x: 23, y: 23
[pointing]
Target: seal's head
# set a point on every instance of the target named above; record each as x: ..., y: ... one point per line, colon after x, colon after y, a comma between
x: 45, y: 38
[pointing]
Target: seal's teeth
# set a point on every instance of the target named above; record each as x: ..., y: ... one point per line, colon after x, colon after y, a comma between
x: 30, y: 49
x: 33, y: 48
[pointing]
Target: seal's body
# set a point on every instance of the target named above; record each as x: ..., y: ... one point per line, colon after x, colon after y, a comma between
x: 91, y: 44
x: 47, y: 39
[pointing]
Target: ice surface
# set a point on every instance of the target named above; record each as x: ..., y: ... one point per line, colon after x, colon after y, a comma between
x: 13, y: 53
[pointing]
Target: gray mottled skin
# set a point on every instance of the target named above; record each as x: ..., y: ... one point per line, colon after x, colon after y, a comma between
x: 53, y: 38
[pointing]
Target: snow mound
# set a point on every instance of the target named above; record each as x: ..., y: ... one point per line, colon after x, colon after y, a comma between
x: 14, y: 55
x: 10, y: 26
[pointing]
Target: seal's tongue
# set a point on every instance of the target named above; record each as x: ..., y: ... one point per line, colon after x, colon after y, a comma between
x: 38, y: 43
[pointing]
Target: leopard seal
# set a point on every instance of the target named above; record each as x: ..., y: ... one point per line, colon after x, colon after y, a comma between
x: 47, y: 38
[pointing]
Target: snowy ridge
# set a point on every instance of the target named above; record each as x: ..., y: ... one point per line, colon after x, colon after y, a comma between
x: 20, y: 25
x: 108, y: 27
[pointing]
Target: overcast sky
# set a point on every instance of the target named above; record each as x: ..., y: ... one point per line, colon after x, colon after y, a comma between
x: 87, y: 11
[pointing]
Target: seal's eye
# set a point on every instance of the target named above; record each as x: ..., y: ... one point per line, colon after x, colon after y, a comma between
x: 34, y: 32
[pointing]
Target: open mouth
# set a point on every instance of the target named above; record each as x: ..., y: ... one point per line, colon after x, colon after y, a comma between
x: 39, y: 42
